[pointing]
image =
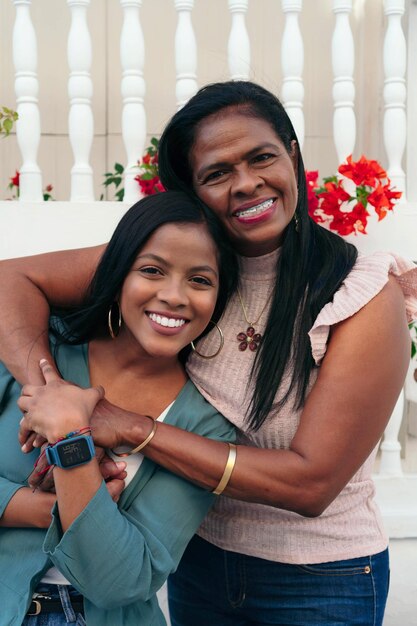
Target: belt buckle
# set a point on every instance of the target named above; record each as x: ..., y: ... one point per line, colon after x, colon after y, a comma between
x: 38, y: 607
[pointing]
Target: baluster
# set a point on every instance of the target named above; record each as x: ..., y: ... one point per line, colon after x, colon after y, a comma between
x: 343, y: 61
x: 185, y: 53
x: 390, y: 447
x: 238, y: 49
x: 292, y: 62
x: 80, y: 91
x: 28, y: 126
x: 132, y: 55
x: 395, y: 125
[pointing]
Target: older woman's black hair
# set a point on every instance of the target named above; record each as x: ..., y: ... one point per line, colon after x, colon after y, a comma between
x: 130, y: 235
x: 313, y: 261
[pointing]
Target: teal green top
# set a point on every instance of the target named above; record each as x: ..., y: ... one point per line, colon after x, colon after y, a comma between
x: 116, y: 555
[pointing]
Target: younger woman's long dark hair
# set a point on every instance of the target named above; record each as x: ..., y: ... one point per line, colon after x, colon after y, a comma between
x: 134, y: 229
x: 313, y: 261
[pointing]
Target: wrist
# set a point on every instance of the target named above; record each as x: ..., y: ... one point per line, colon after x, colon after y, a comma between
x: 63, y: 429
x: 136, y: 431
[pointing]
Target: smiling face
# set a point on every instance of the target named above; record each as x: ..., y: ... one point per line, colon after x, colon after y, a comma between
x: 169, y: 295
x: 243, y: 172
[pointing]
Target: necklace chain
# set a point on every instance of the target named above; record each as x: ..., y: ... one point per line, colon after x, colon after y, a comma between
x: 244, y: 309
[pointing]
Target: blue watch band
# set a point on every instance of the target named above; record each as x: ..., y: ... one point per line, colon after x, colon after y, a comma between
x: 71, y: 452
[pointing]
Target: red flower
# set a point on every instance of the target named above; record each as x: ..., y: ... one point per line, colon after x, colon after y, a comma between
x: 348, y: 222
x: 362, y: 172
x: 146, y: 158
x: 332, y: 197
x: 149, y: 186
x: 381, y: 199
x: 15, y: 180
x: 48, y: 188
x: 312, y: 200
x: 342, y: 212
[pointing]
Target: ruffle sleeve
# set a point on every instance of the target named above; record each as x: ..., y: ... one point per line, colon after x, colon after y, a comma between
x: 365, y: 281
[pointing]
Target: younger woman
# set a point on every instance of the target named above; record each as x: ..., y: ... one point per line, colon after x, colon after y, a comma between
x: 158, y: 286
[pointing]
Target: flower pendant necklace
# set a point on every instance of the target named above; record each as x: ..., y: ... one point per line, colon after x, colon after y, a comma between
x: 250, y: 339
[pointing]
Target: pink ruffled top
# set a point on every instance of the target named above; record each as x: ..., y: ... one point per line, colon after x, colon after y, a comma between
x: 351, y: 526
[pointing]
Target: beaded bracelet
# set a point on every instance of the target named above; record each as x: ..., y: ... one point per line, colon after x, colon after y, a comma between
x: 230, y: 464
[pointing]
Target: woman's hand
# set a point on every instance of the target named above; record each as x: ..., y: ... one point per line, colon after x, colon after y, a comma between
x: 113, y: 427
x: 56, y: 408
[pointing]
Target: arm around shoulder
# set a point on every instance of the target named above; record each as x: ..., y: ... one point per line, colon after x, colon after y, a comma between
x: 342, y: 421
x: 27, y: 287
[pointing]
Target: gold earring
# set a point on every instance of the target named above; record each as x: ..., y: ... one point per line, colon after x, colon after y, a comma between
x: 296, y: 222
x: 211, y: 356
x: 113, y: 334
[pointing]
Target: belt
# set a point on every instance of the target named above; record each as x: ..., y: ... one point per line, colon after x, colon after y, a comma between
x: 49, y: 605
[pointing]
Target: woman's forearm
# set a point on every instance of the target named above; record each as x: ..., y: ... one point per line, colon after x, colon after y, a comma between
x: 28, y: 509
x: 27, y: 287
x: 273, y: 477
x: 74, y: 490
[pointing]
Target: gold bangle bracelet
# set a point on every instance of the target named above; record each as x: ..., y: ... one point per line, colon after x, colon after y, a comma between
x: 143, y: 444
x: 230, y: 464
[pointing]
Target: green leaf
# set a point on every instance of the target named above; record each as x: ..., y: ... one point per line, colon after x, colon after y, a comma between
x: 155, y: 142
x: 120, y: 194
x: 119, y: 168
x: 7, y: 125
x: 413, y: 350
x: 147, y: 176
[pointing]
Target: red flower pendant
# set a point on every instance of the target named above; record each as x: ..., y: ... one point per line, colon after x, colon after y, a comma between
x: 249, y: 339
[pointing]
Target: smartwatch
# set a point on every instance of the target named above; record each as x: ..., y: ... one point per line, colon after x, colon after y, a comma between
x: 71, y: 452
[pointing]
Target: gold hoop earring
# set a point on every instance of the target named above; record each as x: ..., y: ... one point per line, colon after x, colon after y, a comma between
x: 113, y: 334
x: 210, y: 356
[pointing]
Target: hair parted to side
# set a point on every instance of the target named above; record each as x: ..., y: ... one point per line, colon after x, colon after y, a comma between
x: 313, y: 261
x: 131, y: 234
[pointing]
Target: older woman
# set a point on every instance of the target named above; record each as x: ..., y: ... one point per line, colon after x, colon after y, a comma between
x: 315, y: 353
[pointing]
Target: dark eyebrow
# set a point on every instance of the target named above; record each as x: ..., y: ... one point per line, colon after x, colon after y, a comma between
x: 162, y: 261
x: 218, y: 165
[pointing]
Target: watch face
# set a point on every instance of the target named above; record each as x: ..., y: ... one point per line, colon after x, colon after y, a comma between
x: 73, y: 452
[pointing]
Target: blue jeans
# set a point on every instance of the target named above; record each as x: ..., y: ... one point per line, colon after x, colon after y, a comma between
x: 64, y: 617
x: 214, y: 587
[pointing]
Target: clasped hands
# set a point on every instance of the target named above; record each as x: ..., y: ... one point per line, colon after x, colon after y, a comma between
x: 52, y: 410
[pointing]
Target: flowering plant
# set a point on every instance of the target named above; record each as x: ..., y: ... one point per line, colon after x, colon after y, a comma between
x: 148, y: 178
x: 14, y: 185
x: 328, y: 203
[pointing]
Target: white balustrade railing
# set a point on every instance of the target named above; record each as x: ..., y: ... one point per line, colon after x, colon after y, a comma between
x: 292, y: 60
x: 343, y: 61
x: 238, y: 45
x: 132, y: 57
x: 28, y: 127
x: 80, y: 91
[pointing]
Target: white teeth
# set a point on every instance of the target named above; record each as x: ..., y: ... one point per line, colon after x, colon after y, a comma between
x: 258, y: 208
x: 169, y: 322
